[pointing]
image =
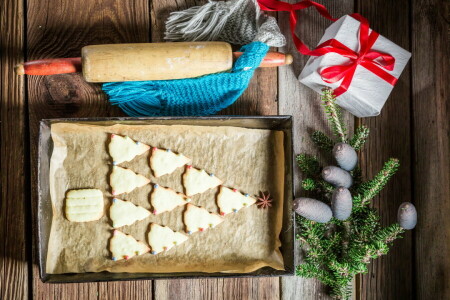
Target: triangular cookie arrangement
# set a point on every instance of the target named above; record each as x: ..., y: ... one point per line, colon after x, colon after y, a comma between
x: 164, y: 162
x: 199, y: 219
x: 123, y: 148
x: 197, y: 181
x: 161, y: 238
x: 84, y: 205
x: 124, y: 180
x: 123, y: 246
x: 231, y: 200
x: 165, y: 199
x: 126, y: 213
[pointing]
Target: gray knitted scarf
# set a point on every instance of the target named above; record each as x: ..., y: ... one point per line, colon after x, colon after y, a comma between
x: 238, y: 22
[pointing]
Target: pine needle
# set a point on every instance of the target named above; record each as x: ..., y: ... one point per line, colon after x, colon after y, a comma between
x: 334, y: 115
x: 322, y: 141
x: 370, y: 189
x: 359, y: 138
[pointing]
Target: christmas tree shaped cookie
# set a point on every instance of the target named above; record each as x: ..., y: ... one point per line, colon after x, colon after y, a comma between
x: 84, y: 205
x: 165, y: 161
x: 161, y: 238
x: 197, y: 181
x: 164, y: 199
x: 231, y: 200
x: 124, y: 180
x: 123, y: 246
x: 126, y: 213
x: 199, y: 219
x: 123, y: 148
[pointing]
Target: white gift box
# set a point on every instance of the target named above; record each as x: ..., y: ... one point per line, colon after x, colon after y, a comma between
x: 367, y: 92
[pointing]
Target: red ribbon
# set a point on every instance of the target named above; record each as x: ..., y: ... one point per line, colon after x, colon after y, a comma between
x: 374, y: 61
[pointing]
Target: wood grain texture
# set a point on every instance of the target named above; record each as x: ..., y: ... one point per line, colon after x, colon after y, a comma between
x: 304, y: 104
x: 413, y: 126
x: 61, y: 29
x: 259, y: 98
x: 431, y: 115
x: 390, y: 137
x: 13, y: 205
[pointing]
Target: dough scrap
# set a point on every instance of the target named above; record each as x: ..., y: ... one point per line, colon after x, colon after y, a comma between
x: 84, y: 205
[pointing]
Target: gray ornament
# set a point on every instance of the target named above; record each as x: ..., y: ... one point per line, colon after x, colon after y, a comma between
x: 313, y: 210
x: 337, y: 176
x: 346, y: 157
x: 407, y: 216
x: 341, y: 203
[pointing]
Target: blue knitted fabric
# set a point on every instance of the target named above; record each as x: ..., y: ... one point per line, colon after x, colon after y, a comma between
x: 188, y: 97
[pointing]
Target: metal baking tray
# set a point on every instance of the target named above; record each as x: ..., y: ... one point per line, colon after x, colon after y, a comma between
x: 44, y: 219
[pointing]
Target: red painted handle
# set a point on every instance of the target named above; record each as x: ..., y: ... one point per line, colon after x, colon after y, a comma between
x: 50, y: 66
x: 272, y: 59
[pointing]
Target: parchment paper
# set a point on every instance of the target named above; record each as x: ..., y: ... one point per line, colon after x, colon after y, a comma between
x: 249, y: 160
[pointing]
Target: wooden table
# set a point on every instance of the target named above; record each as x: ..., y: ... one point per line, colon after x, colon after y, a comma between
x: 413, y: 126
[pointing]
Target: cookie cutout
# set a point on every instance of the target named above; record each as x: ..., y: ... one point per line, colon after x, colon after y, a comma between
x: 84, y: 205
x: 126, y: 213
x: 161, y: 238
x: 123, y: 148
x: 165, y: 162
x: 124, y: 180
x: 165, y: 199
x: 231, y: 200
x: 199, y: 219
x: 197, y: 181
x: 124, y: 246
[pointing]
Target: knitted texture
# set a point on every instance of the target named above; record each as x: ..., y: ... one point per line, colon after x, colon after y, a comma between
x: 238, y: 22
x: 188, y: 97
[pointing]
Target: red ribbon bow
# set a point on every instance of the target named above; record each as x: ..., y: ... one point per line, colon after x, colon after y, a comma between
x: 374, y: 61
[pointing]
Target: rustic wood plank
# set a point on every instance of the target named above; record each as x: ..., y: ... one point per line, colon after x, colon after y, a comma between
x: 304, y: 104
x: 129, y: 290
x: 390, y: 137
x: 259, y: 98
x: 218, y: 289
x: 60, y: 29
x: 431, y: 115
x: 13, y: 206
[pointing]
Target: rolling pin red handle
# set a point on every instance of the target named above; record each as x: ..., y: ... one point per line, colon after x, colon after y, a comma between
x: 73, y: 65
x: 49, y: 66
x: 272, y: 59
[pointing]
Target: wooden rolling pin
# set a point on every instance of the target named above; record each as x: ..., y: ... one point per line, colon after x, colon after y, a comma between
x: 150, y: 61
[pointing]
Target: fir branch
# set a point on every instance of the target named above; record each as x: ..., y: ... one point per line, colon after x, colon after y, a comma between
x: 359, y: 138
x: 338, y: 250
x: 389, y: 234
x: 309, y: 184
x: 308, y: 164
x: 357, y: 177
x: 372, y: 188
x: 334, y: 115
x: 322, y: 141
x: 319, y: 186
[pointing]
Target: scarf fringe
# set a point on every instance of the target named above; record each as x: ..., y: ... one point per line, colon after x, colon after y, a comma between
x: 135, y: 98
x: 199, y: 23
